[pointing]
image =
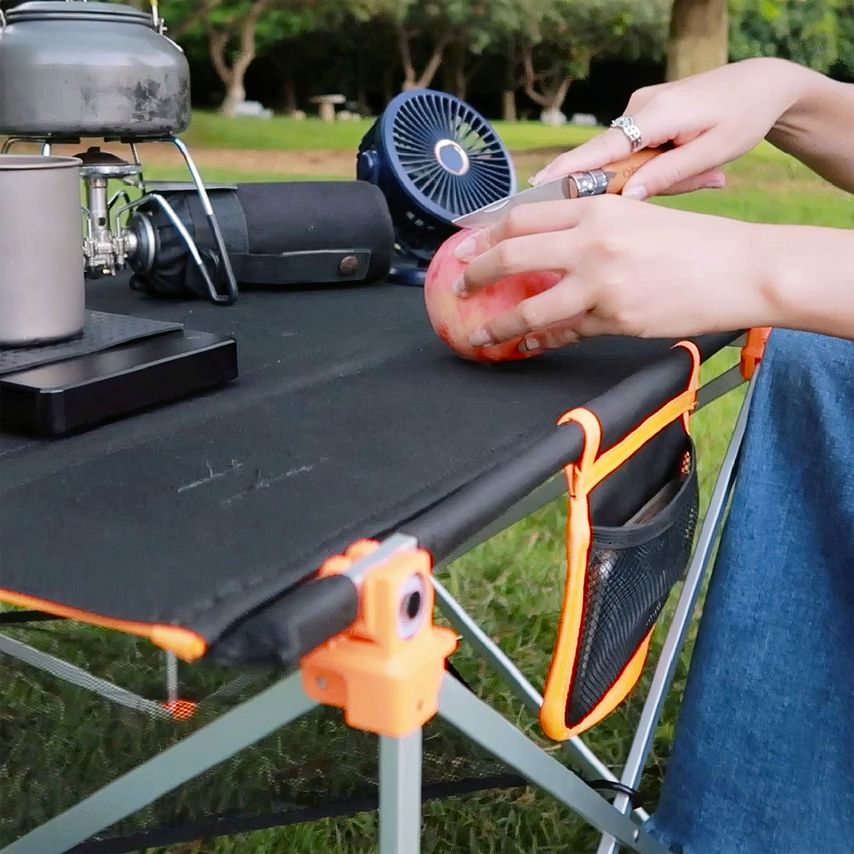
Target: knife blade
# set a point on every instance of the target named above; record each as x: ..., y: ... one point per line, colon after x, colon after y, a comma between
x: 609, y: 179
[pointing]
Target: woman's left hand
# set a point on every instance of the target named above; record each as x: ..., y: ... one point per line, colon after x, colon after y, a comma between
x: 628, y: 267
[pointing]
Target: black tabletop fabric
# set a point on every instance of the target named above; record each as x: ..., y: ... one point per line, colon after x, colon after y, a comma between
x: 349, y: 419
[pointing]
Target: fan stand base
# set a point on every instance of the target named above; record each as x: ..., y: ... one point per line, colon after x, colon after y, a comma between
x: 406, y: 271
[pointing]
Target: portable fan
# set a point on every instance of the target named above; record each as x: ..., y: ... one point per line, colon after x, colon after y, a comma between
x: 435, y: 158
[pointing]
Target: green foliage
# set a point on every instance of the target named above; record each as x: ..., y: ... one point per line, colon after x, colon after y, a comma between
x: 581, y: 30
x: 355, y: 44
x: 621, y: 28
x: 280, y: 20
x: 458, y: 20
x: 817, y: 34
x: 564, y: 35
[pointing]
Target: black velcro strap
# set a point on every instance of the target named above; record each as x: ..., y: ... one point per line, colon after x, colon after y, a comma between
x: 305, y: 267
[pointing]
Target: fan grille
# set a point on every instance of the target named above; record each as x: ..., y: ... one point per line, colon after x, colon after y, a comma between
x: 450, y: 153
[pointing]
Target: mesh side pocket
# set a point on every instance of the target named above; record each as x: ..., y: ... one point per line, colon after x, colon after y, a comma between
x: 630, y: 572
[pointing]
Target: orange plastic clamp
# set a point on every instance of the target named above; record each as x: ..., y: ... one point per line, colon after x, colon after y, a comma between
x: 385, y: 671
x: 753, y: 349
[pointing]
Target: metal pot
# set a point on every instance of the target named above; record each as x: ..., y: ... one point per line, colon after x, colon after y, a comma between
x: 79, y: 69
x: 42, y: 294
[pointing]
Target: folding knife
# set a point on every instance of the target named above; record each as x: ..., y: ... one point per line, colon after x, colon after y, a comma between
x: 608, y: 179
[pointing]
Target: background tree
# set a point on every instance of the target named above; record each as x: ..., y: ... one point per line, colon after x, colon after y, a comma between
x: 421, y: 35
x: 503, y: 54
x: 843, y: 68
x: 474, y: 27
x: 819, y: 35
x: 559, y: 39
x: 236, y: 31
x: 224, y: 25
x: 698, y: 39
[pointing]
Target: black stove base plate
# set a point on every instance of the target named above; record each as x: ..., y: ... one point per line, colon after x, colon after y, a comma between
x: 80, y: 393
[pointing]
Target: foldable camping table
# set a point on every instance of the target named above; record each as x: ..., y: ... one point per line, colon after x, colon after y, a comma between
x: 201, y: 525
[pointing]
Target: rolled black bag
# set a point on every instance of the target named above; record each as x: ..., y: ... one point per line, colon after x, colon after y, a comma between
x: 276, y: 234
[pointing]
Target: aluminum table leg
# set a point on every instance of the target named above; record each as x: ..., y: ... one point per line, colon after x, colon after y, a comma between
x: 400, y: 794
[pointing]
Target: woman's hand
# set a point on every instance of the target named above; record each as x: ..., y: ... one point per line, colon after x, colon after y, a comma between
x: 642, y: 270
x: 711, y: 119
x: 628, y: 269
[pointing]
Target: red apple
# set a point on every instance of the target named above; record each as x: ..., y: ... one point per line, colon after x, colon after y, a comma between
x: 455, y: 319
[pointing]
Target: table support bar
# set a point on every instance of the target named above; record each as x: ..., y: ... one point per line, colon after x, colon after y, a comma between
x: 483, y: 725
x: 231, y: 732
x: 580, y: 755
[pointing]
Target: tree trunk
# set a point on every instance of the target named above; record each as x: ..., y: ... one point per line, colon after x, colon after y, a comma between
x: 508, y: 95
x: 529, y: 80
x: 411, y: 78
x: 455, y: 67
x: 559, y: 93
x: 508, y: 105
x: 232, y: 77
x: 553, y: 84
x: 235, y: 95
x: 362, y: 105
x: 405, y: 59
x: 699, y: 37
x: 387, y: 83
x: 361, y: 93
x: 433, y: 64
x: 289, y: 94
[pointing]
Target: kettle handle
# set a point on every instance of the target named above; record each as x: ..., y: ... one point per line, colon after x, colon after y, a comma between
x: 160, y: 25
x: 155, y: 17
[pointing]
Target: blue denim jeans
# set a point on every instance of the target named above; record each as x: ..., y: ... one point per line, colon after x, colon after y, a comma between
x: 762, y: 760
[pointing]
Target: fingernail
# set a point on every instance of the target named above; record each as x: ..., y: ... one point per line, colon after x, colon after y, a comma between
x: 717, y: 183
x: 536, y: 179
x: 637, y: 192
x: 480, y: 338
x: 531, y: 343
x: 459, y: 286
x: 465, y: 251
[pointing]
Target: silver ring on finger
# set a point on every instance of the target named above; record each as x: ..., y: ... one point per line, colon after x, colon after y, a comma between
x: 627, y: 125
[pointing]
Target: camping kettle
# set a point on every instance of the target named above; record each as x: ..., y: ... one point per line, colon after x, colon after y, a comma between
x: 89, y: 69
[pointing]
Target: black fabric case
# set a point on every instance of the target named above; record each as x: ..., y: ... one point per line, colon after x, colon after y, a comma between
x: 292, y: 233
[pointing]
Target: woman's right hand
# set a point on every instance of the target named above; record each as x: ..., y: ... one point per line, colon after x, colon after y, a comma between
x: 710, y: 119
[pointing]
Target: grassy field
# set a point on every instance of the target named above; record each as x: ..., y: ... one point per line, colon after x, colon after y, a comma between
x: 210, y: 129
x: 512, y: 583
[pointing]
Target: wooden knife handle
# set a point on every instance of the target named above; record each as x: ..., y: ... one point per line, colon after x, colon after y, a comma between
x: 619, y: 173
x: 611, y: 178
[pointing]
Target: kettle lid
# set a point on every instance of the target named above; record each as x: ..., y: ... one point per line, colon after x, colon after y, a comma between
x: 77, y: 10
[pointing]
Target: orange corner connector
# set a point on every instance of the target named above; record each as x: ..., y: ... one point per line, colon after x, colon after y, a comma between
x: 753, y: 350
x: 385, y: 671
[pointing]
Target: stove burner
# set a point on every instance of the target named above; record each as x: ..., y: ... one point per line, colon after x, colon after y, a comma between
x: 109, y: 245
x: 106, y: 164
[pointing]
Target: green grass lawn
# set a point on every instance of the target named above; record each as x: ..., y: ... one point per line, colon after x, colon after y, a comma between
x: 215, y: 131
x: 512, y: 583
